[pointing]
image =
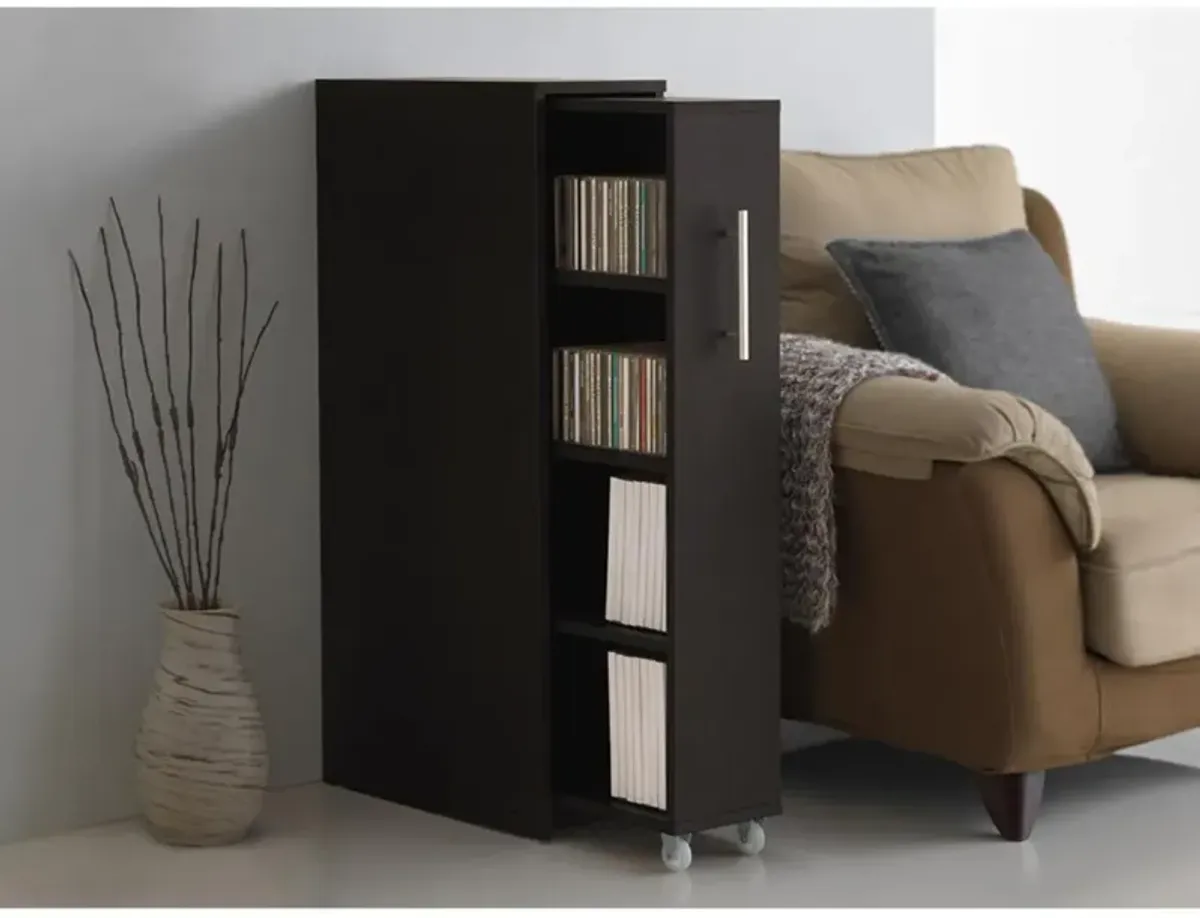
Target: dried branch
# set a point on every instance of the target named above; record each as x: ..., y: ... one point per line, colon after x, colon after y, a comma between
x: 189, y: 407
x: 126, y: 465
x: 135, y: 434
x: 243, y: 378
x: 155, y: 408
x: 231, y: 434
x: 186, y: 571
x: 219, y: 455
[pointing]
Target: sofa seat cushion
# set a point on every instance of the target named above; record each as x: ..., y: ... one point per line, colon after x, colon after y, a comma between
x: 1142, y: 583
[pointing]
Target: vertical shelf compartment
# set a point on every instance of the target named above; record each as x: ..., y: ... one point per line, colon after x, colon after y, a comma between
x: 721, y: 465
x: 579, y: 508
x: 582, y: 748
x: 586, y: 309
x: 618, y: 156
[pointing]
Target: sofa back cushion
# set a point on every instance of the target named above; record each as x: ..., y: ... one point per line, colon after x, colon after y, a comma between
x: 949, y: 193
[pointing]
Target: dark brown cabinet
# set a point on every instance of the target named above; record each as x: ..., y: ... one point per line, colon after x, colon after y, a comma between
x: 463, y: 547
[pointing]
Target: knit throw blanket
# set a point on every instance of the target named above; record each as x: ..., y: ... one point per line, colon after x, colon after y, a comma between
x: 815, y: 375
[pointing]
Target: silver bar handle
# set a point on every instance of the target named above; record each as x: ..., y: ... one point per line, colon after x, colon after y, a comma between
x: 743, y: 249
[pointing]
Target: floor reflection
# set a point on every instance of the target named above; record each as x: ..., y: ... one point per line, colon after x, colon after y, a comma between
x: 863, y: 825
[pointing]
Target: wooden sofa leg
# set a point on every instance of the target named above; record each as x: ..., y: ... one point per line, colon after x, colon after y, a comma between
x: 1013, y: 801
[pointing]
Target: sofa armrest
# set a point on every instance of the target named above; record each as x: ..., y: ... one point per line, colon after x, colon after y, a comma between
x: 1154, y: 374
x: 959, y: 626
x: 899, y: 427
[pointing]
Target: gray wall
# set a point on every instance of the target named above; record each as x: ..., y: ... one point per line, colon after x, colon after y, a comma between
x: 213, y: 109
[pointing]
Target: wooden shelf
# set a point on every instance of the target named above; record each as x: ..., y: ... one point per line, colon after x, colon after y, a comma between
x: 613, y: 458
x: 621, y: 637
x: 609, y: 281
x: 612, y: 808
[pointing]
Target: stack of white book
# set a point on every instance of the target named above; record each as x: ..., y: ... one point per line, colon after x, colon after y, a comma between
x: 636, y: 592
x: 637, y: 724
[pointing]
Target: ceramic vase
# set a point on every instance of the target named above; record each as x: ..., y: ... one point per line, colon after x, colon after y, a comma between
x: 201, y: 748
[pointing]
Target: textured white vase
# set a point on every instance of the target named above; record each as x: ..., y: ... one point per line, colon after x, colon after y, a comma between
x: 201, y: 749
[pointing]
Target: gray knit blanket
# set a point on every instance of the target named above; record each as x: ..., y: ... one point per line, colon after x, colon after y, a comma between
x: 815, y: 375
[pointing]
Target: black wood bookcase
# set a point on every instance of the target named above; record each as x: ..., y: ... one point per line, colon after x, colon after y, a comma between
x: 463, y: 549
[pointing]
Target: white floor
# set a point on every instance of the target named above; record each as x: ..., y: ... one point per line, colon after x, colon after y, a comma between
x: 862, y: 825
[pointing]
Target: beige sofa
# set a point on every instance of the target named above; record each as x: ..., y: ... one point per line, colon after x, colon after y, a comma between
x: 1000, y: 606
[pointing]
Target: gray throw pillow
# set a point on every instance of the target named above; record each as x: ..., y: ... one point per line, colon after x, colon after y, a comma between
x: 991, y: 313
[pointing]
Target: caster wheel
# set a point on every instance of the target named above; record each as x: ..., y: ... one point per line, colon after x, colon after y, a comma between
x: 677, y: 852
x: 752, y: 838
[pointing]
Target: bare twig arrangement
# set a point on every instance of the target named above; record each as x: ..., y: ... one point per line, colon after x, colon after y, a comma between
x: 192, y: 565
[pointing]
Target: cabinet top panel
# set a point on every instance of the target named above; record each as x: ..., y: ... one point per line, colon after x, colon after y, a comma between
x: 659, y: 105
x: 539, y: 87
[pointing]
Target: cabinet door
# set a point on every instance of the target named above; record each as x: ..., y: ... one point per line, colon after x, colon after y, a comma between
x: 724, y: 568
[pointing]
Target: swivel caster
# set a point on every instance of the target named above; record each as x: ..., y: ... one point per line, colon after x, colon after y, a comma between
x: 677, y: 852
x: 752, y: 838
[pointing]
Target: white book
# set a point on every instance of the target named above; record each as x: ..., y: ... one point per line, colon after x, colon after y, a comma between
x: 639, y: 567
x: 633, y: 531
x: 649, y: 552
x: 660, y: 561
x: 649, y: 729
x: 617, y: 718
x: 611, y: 607
x: 624, y: 767
x: 630, y: 766
x: 640, y: 784
x: 610, y: 591
x: 660, y: 746
x: 629, y: 606
x: 628, y: 531
x: 649, y: 577
x: 638, y: 791
x: 612, y: 587
x: 614, y: 746
x: 643, y: 541
x: 657, y: 558
x: 653, y: 668
x: 647, y: 572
